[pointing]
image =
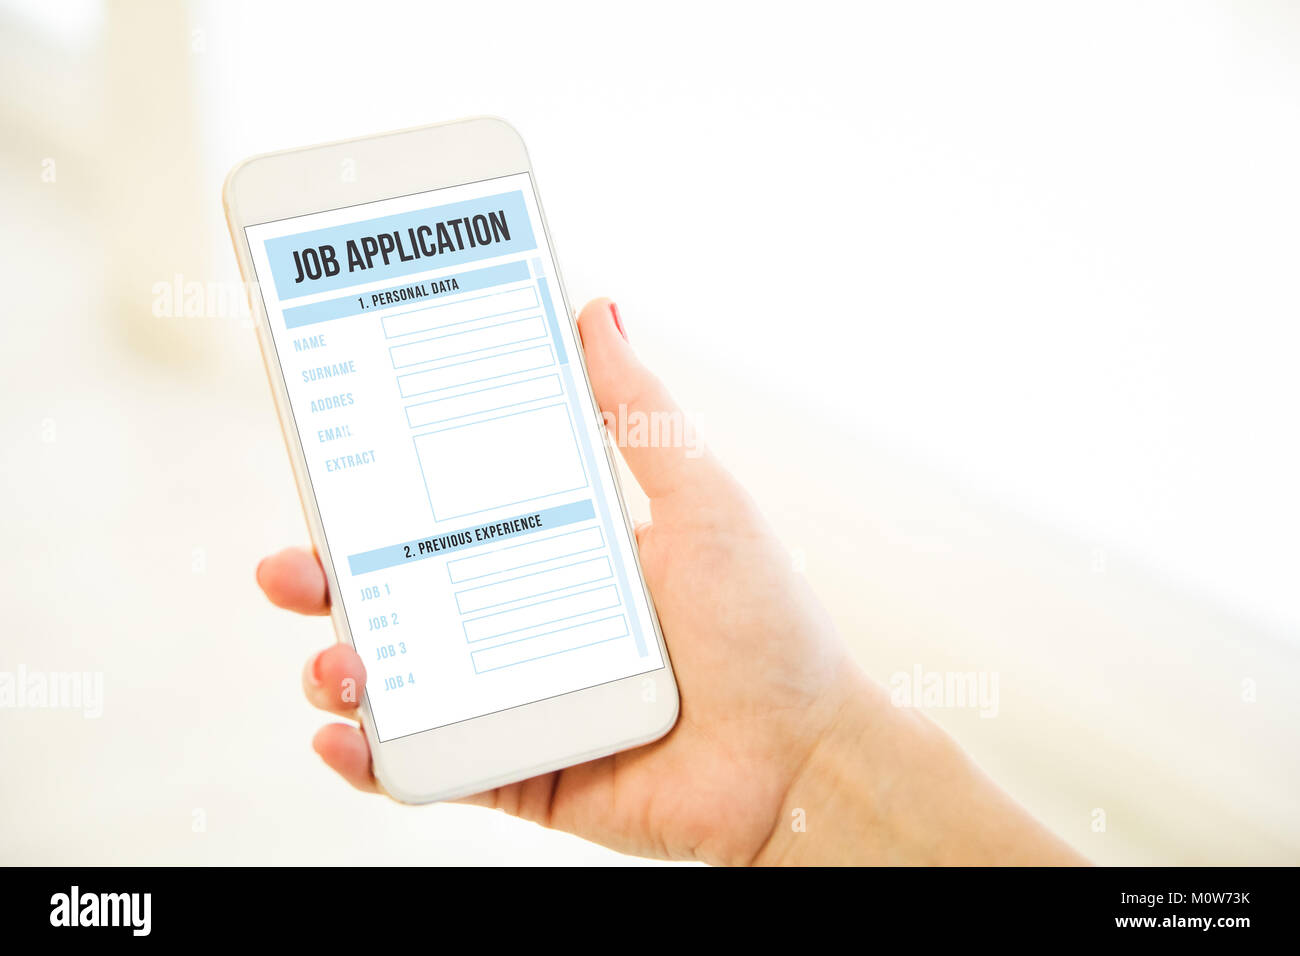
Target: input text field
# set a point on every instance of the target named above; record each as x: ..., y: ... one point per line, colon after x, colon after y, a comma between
x: 539, y: 615
x: 556, y: 642
x: 484, y: 400
x: 510, y: 332
x: 466, y: 310
x: 533, y: 585
x: 475, y: 370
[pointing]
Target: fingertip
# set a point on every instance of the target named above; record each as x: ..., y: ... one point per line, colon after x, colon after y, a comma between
x: 345, y: 750
x: 293, y: 579
x: 600, y: 323
x: 597, y: 307
x: 617, y: 374
x: 639, y: 406
x: 335, y: 679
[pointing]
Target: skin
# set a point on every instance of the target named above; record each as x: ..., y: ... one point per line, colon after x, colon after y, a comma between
x: 785, y: 752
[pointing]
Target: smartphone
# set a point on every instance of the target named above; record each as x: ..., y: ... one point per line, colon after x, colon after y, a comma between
x: 452, y: 461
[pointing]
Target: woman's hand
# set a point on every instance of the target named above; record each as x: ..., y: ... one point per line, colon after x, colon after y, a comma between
x: 784, y: 751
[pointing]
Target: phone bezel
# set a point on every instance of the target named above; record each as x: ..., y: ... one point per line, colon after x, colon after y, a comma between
x: 500, y: 748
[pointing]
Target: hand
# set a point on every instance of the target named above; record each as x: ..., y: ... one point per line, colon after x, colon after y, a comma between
x: 776, y: 721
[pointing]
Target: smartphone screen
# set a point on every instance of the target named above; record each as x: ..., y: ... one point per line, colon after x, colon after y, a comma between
x: 481, y: 554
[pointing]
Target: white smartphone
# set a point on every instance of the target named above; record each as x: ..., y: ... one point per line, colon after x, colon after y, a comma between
x: 453, y: 465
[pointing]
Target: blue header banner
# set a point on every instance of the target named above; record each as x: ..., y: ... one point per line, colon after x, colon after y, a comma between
x: 484, y: 277
x: 391, y: 246
x: 472, y: 537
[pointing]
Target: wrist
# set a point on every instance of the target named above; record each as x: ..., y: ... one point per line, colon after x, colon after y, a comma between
x: 831, y: 795
x: 885, y: 785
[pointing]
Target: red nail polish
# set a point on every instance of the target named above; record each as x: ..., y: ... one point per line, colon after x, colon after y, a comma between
x: 618, y: 322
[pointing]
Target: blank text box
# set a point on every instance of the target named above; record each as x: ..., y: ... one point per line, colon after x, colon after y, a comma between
x: 472, y: 340
x: 484, y: 400
x: 466, y: 310
x: 533, y: 585
x: 501, y: 461
x: 556, y: 642
x: 475, y: 370
x: 547, y: 612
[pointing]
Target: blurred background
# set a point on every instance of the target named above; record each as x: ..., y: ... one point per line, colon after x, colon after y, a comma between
x: 993, y: 306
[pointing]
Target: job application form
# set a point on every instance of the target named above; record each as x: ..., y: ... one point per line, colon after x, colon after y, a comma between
x: 481, y: 555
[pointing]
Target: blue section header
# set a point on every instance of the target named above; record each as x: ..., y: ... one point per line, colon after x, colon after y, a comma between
x: 398, y: 245
x: 428, y: 291
x: 436, y: 546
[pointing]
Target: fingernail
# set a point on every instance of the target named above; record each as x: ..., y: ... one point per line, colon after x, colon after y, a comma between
x: 618, y: 322
x: 315, y: 672
x: 258, y: 573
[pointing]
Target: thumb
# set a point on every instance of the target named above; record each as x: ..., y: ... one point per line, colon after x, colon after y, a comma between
x: 642, y: 418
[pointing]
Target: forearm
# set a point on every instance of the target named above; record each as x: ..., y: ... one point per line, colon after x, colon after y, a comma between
x: 885, y: 785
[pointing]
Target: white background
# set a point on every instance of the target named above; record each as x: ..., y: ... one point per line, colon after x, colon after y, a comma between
x: 993, y: 306
x: 1045, y: 244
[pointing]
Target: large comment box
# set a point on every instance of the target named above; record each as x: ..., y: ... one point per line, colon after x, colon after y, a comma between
x: 500, y: 462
